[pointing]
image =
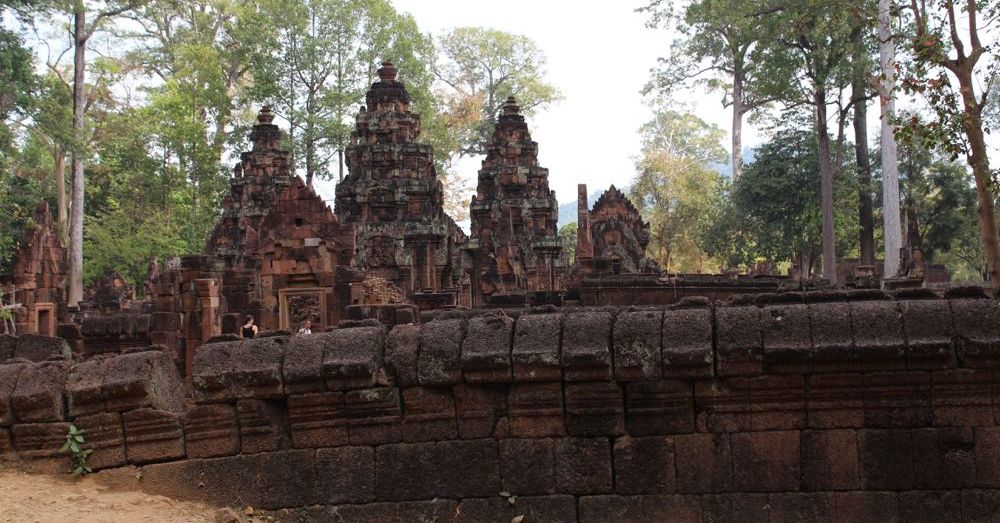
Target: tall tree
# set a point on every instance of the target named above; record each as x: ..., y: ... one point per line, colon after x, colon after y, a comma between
x: 722, y: 45
x: 861, y: 72
x: 818, y: 37
x: 938, y: 43
x: 676, y: 187
x: 482, y: 67
x: 82, y: 32
x: 324, y: 57
x: 892, y: 231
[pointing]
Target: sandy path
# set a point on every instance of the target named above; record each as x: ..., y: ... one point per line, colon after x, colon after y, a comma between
x: 30, y: 498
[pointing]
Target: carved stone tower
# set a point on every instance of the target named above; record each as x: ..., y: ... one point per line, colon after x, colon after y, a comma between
x: 515, y: 243
x: 393, y: 198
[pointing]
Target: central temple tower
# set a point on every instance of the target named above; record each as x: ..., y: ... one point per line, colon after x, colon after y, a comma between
x: 393, y: 198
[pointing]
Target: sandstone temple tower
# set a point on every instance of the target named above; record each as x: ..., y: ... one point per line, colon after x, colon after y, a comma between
x: 394, y: 200
x: 515, y: 243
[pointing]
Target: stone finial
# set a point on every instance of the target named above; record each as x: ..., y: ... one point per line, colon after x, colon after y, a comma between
x: 265, y: 116
x: 387, y: 72
x: 510, y: 106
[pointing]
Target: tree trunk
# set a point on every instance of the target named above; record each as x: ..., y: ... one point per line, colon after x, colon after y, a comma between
x: 826, y: 187
x: 866, y: 217
x: 340, y: 158
x: 737, y: 150
x: 76, y: 219
x: 890, y: 172
x: 59, y: 156
x: 972, y: 122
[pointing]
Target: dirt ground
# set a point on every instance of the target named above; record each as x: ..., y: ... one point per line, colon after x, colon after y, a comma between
x: 30, y: 498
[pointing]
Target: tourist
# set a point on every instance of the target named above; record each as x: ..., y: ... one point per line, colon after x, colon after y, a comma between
x: 306, y: 328
x: 249, y: 330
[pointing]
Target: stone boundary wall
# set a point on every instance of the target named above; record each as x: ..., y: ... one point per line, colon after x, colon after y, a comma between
x: 791, y: 407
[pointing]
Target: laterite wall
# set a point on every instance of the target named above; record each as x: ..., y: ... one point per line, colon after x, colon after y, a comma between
x: 792, y: 407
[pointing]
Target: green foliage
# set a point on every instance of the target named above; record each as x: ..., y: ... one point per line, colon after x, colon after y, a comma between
x: 74, y: 447
x: 480, y: 68
x: 772, y: 212
x: 677, y: 189
x: 567, y: 234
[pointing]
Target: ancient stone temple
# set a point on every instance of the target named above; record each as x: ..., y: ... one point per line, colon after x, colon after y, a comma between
x: 394, y: 200
x: 36, y: 280
x: 515, y: 243
x: 612, y: 236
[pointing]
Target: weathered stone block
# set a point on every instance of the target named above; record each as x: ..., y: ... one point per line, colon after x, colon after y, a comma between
x: 987, y: 451
x: 234, y: 480
x: 977, y: 329
x: 704, y: 463
x: 795, y: 507
x: 143, y: 379
x: 586, y: 354
x: 723, y: 406
x: 659, y: 407
x: 410, y: 471
x: 6, y: 445
x: 687, y: 342
x: 766, y: 461
x: 944, y: 458
x: 167, y: 321
x: 583, y: 466
x: 930, y: 506
x: 898, y: 399
x: 39, y: 443
x: 481, y: 411
x: 153, y: 435
x: 786, y: 337
x: 430, y: 414
x: 636, y: 344
x: 8, y: 382
x: 105, y: 435
x: 740, y: 349
x: 178, y: 480
x: 439, y: 360
x: 886, y: 459
x: 486, y: 349
x: 829, y: 460
x: 38, y: 395
x: 302, y: 368
x: 401, y: 351
x: 878, y: 335
x: 263, y: 424
x: 35, y: 347
x: 644, y: 465
x: 374, y: 416
x: 437, y: 510
x: 527, y: 466
x: 549, y: 509
x: 980, y: 505
x: 929, y: 334
x: 745, y: 508
x: 346, y: 474
x: 318, y: 419
x: 962, y: 397
x: 84, y: 393
x: 353, y: 357
x: 535, y: 355
x: 212, y: 431
x: 862, y: 507
x: 7, y: 344
x: 777, y: 402
x: 594, y: 409
x: 836, y: 401
x: 641, y: 509
x: 289, y: 479
x: 833, y: 344
x: 536, y: 410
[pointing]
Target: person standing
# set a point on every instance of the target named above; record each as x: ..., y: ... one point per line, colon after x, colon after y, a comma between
x: 249, y: 329
x: 306, y: 327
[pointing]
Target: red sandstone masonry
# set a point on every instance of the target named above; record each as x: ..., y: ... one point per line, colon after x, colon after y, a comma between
x: 788, y: 408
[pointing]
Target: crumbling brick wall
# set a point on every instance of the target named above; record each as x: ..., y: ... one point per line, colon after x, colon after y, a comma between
x: 790, y: 407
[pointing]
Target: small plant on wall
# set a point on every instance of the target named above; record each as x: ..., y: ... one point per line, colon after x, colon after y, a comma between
x: 74, y: 446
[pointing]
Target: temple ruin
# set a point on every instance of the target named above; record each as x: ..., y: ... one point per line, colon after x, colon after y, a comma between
x: 515, y: 249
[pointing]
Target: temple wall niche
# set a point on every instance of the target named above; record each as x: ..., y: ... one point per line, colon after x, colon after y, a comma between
x: 37, y: 277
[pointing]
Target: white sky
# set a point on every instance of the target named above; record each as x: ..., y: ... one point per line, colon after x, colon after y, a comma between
x: 599, y: 56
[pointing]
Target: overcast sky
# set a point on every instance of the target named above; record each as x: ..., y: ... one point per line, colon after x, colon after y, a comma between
x: 599, y: 56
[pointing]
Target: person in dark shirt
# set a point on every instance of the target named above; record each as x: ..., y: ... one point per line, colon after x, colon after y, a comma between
x: 249, y: 330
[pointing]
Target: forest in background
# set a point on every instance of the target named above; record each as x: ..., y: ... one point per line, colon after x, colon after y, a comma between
x: 172, y: 87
